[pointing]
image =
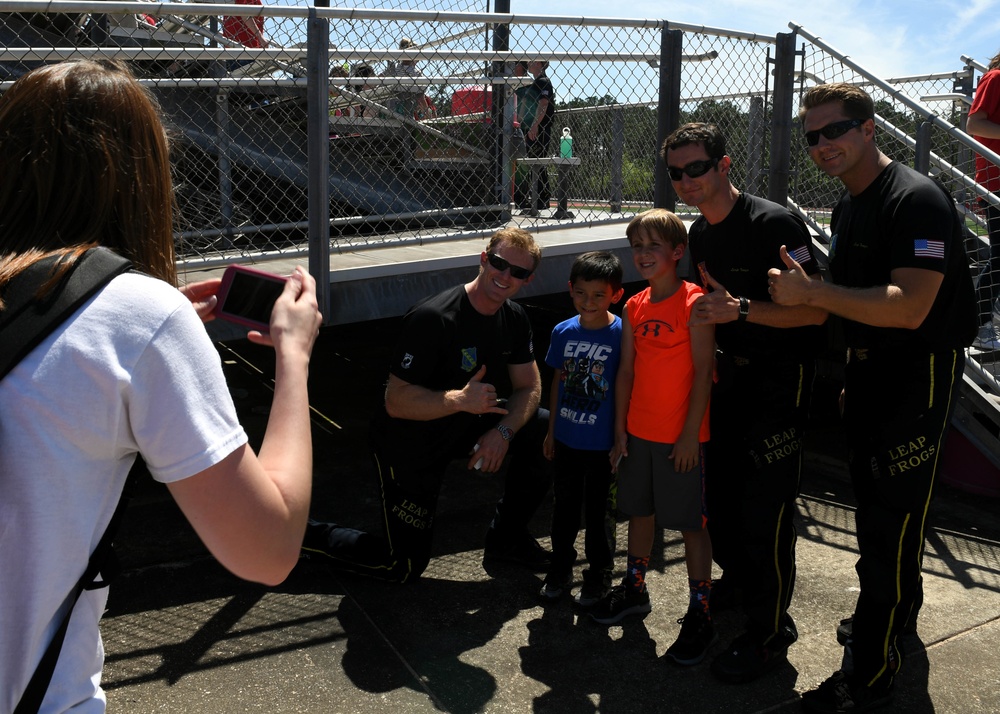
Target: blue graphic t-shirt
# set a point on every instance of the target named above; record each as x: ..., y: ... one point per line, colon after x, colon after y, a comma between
x: 585, y: 418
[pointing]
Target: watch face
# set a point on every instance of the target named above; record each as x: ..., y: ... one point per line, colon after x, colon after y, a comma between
x: 505, y: 432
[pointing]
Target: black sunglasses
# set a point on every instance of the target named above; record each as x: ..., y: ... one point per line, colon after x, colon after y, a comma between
x: 516, y: 271
x: 832, y: 131
x: 694, y: 169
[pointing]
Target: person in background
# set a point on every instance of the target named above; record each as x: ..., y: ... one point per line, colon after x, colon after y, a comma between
x: 984, y: 124
x: 536, y: 107
x: 410, y: 100
x: 902, y: 285
x: 362, y: 69
x: 766, y: 357
x: 581, y: 427
x: 661, y: 425
x: 84, y: 163
x: 463, y: 383
x: 248, y: 31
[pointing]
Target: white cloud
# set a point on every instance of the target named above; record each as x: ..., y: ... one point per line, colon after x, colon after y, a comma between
x: 889, y: 37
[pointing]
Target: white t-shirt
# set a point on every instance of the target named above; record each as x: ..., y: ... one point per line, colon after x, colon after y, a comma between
x: 132, y: 371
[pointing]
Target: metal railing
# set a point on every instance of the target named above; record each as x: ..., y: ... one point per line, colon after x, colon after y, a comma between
x: 333, y: 137
x: 416, y: 152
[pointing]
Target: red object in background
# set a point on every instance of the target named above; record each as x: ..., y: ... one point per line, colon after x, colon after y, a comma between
x: 966, y: 468
x: 471, y: 100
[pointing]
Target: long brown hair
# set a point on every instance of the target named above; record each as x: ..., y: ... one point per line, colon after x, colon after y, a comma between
x: 83, y: 162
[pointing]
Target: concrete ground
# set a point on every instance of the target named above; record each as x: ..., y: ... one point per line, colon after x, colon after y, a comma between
x: 183, y: 635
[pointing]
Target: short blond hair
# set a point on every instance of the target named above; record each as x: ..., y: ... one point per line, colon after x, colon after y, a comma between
x: 516, y: 238
x: 659, y: 222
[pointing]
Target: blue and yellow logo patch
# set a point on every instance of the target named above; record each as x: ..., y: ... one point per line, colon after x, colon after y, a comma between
x: 469, y: 359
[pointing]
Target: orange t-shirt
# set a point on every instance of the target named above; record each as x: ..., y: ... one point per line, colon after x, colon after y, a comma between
x: 664, y: 368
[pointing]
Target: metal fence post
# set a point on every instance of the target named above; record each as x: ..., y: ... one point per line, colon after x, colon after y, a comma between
x: 502, y: 120
x: 964, y: 85
x: 318, y: 149
x: 671, y: 44
x: 617, y: 156
x: 224, y: 139
x: 922, y: 151
x: 755, y: 147
x: 781, y: 118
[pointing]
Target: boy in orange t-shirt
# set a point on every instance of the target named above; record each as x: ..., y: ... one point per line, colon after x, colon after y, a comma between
x: 661, y: 424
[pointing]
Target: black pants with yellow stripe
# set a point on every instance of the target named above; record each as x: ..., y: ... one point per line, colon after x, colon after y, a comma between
x: 896, y: 412
x: 752, y: 464
x: 409, y: 486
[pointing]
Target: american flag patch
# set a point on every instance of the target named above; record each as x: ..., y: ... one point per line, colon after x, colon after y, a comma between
x: 801, y: 255
x: 923, y: 248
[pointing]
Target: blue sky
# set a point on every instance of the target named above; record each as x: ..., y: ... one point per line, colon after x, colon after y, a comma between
x: 890, y: 37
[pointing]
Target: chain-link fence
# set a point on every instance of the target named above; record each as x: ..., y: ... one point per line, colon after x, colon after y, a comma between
x: 305, y: 130
x: 424, y: 117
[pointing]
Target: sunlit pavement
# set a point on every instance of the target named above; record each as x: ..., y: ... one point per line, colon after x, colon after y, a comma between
x: 182, y: 635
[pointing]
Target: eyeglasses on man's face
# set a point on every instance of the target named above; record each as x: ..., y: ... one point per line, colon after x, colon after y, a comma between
x: 693, y: 169
x: 832, y: 131
x: 516, y: 271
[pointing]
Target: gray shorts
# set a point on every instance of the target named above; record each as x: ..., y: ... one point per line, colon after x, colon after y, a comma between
x: 648, y: 485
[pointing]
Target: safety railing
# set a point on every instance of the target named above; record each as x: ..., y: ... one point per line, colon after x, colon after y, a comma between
x: 418, y: 150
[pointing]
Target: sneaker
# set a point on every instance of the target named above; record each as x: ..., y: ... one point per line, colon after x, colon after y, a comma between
x: 988, y: 338
x: 620, y: 602
x: 696, y: 636
x: 747, y: 658
x: 554, y: 588
x: 843, y: 694
x: 591, y: 594
x: 525, y: 551
x: 334, y: 541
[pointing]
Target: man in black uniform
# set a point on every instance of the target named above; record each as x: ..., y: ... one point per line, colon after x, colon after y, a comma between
x: 902, y: 283
x: 760, y: 405
x: 536, y: 106
x: 462, y: 383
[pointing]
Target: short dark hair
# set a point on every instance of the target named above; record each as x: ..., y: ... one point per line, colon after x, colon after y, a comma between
x: 660, y: 222
x: 854, y: 100
x: 598, y: 265
x: 708, y: 135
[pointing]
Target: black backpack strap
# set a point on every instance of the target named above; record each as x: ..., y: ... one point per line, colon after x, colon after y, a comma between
x: 34, y: 693
x: 24, y: 323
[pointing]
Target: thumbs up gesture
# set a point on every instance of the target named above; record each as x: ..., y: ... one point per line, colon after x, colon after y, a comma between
x: 788, y: 287
x: 714, y: 307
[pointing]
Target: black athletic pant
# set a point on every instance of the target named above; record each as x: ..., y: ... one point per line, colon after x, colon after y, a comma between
x: 409, y: 486
x: 583, y: 482
x: 753, y: 463
x: 896, y: 411
x: 538, y: 175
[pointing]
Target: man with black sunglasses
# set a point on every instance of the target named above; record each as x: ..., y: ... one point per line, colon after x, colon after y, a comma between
x: 463, y: 383
x: 766, y: 363
x: 901, y: 283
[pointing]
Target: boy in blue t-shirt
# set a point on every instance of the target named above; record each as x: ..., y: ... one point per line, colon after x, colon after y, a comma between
x: 584, y: 354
